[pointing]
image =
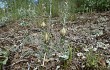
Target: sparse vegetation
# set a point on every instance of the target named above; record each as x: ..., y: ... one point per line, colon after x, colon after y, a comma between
x: 54, y: 34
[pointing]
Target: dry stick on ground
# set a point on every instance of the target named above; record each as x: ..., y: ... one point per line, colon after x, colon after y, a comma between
x: 23, y: 60
x: 43, y: 64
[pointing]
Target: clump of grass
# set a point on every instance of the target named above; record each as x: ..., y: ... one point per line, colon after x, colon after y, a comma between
x: 94, y: 61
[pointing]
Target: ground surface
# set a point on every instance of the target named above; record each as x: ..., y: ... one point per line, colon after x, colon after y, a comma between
x: 23, y: 42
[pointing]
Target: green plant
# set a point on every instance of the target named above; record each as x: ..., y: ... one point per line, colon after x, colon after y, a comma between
x: 5, y: 19
x: 93, y: 61
x: 66, y: 57
x: 92, y: 5
x: 3, y: 57
x: 24, y: 23
x: 63, y: 12
x: 73, y: 6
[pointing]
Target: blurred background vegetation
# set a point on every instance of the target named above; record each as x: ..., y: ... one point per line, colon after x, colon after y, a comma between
x: 19, y: 8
